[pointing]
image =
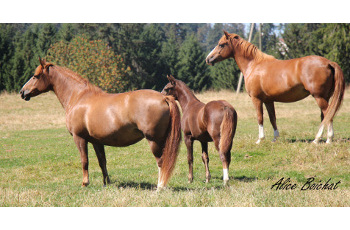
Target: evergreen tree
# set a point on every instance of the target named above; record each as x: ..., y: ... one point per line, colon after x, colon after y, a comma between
x: 66, y: 32
x: 25, y: 59
x: 7, y: 32
x: 169, y: 55
x: 191, y: 66
x: 336, y: 45
x: 149, y: 58
x: 214, y: 36
x: 225, y: 75
x: 46, y: 37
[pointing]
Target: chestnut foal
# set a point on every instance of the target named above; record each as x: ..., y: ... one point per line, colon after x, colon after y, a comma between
x: 215, y: 121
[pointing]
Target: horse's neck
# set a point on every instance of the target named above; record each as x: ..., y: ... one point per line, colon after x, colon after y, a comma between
x: 186, y: 97
x: 66, y: 89
x: 243, y: 62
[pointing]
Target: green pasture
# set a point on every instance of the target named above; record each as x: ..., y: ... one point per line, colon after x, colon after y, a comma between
x: 40, y: 165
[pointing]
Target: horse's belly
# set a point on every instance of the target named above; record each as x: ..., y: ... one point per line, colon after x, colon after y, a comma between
x: 123, y: 136
x: 293, y: 94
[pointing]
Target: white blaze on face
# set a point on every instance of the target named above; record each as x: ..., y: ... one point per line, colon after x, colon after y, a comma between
x: 210, y: 53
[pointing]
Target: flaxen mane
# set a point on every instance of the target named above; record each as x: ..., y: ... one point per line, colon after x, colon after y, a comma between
x: 251, y: 51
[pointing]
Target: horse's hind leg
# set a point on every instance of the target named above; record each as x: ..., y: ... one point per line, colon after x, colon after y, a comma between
x: 205, y: 158
x: 101, y: 156
x: 323, y: 104
x: 81, y: 144
x: 225, y: 158
x: 189, y: 146
x: 272, y: 115
x: 156, y: 149
x: 259, y: 111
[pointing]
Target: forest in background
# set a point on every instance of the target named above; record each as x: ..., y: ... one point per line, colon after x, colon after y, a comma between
x: 125, y: 56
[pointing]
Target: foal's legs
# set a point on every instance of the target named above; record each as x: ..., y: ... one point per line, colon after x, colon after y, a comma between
x: 189, y: 146
x: 101, y: 156
x: 272, y: 115
x: 323, y: 104
x: 259, y: 111
x: 225, y: 158
x: 205, y: 158
x: 81, y: 144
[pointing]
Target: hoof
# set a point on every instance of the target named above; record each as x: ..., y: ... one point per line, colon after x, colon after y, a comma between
x: 259, y: 140
x: 85, y: 184
x: 316, y: 141
x: 160, y: 188
x: 226, y: 183
x: 207, y: 179
x: 190, y: 180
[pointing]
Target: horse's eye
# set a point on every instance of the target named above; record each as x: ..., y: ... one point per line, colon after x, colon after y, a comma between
x: 221, y: 45
x: 36, y: 76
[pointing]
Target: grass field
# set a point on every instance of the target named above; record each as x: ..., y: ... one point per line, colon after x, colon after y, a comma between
x: 40, y: 165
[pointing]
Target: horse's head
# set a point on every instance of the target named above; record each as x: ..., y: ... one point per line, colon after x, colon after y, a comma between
x: 224, y: 49
x: 38, y: 83
x: 170, y: 88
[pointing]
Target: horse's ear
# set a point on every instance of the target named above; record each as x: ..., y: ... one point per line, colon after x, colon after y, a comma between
x: 226, y: 34
x: 171, y: 79
x: 42, y: 62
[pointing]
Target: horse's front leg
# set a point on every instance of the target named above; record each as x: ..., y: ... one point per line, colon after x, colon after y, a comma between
x: 81, y: 144
x: 259, y: 111
x: 272, y: 115
x: 101, y: 156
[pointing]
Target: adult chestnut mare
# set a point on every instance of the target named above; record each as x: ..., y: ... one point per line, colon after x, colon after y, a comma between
x: 100, y: 118
x: 268, y: 80
x: 215, y: 121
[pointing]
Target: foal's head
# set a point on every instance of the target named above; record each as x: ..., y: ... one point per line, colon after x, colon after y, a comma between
x: 38, y: 83
x: 170, y: 88
x: 224, y: 49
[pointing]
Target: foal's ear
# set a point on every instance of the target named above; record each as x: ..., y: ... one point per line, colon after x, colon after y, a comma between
x: 226, y: 34
x: 171, y: 79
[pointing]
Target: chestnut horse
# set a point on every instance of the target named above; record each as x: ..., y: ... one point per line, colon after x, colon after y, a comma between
x: 268, y: 80
x: 100, y: 118
x: 215, y: 121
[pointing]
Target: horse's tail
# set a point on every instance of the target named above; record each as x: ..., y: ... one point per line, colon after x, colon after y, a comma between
x: 172, y: 142
x: 338, y: 94
x: 227, y: 129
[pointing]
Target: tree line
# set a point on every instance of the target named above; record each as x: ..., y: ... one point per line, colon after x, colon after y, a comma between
x: 126, y: 56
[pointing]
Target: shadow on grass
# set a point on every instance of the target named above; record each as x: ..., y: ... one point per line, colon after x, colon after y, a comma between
x: 294, y: 140
x: 153, y: 187
x: 322, y: 141
x: 245, y: 179
x: 131, y: 184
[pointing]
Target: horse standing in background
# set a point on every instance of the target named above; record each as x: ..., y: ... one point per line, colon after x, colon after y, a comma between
x: 215, y: 121
x: 268, y: 80
x: 100, y: 118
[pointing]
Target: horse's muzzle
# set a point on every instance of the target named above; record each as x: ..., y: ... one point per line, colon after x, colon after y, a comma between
x: 25, y: 94
x: 209, y: 61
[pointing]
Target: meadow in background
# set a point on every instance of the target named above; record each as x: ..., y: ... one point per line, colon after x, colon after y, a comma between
x: 40, y: 165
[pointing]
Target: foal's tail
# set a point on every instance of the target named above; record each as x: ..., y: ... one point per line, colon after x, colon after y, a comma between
x: 227, y: 129
x: 172, y: 142
x: 339, y: 88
